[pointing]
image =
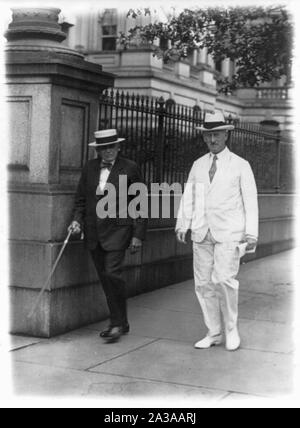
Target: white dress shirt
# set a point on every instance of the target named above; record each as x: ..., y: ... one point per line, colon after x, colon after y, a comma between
x: 221, y: 157
x: 104, y: 174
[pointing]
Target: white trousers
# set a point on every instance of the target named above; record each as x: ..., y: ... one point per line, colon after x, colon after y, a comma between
x: 216, y: 266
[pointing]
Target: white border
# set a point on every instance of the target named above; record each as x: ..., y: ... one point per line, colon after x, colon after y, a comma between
x: 7, y: 398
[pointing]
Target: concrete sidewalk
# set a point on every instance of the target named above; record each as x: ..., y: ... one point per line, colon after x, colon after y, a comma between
x: 157, y: 359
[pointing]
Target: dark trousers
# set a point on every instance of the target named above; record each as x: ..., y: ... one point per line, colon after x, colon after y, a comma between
x: 109, y: 267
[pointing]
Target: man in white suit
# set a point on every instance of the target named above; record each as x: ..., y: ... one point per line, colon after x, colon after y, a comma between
x: 220, y: 207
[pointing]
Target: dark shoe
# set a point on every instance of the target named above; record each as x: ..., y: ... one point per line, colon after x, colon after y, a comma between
x: 105, y: 333
x: 114, y: 334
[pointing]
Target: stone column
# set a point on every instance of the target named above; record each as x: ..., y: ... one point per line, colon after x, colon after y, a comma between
x: 226, y: 67
x: 52, y: 111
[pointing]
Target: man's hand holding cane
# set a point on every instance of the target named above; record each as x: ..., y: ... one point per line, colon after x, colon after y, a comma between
x: 74, y: 228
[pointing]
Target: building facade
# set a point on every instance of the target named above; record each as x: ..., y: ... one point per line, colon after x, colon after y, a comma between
x: 189, y: 82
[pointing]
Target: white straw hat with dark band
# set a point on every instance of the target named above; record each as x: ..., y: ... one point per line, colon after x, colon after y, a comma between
x: 215, y: 122
x: 106, y: 137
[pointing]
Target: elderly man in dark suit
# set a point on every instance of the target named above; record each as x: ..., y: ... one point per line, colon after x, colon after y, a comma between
x: 108, y: 238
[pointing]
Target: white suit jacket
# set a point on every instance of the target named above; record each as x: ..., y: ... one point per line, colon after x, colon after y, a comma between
x: 228, y: 206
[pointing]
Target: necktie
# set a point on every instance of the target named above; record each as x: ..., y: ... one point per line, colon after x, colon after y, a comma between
x: 213, y: 168
x: 107, y: 165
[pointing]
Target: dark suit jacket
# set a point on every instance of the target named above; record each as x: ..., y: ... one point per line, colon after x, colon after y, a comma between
x: 113, y: 233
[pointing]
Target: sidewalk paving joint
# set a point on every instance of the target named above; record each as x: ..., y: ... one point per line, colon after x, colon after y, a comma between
x: 122, y: 355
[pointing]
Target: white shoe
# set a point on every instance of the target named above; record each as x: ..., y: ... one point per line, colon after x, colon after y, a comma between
x: 233, y: 340
x: 209, y: 341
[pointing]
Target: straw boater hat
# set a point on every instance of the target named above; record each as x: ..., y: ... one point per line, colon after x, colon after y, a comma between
x: 215, y: 122
x: 106, y: 138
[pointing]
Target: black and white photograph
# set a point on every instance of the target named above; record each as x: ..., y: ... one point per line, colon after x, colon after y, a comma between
x: 149, y: 203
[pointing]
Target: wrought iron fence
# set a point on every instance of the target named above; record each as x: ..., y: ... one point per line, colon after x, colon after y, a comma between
x: 162, y: 139
x: 271, y: 158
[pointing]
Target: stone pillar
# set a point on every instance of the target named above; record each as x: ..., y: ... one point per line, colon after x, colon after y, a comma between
x: 226, y: 67
x: 52, y: 110
x: 202, y: 56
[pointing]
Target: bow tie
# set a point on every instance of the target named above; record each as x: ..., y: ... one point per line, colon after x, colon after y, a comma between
x: 107, y: 165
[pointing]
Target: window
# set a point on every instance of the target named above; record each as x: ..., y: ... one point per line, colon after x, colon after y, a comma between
x: 164, y: 43
x: 218, y: 65
x: 109, y: 30
x: 109, y: 37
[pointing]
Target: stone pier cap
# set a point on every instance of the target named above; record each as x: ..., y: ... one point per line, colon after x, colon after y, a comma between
x: 34, y: 47
x: 35, y: 23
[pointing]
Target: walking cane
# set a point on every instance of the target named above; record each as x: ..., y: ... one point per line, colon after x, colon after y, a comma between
x: 49, y: 277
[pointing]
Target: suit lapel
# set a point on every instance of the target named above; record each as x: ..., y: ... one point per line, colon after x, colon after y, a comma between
x: 116, y: 171
x: 95, y: 174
